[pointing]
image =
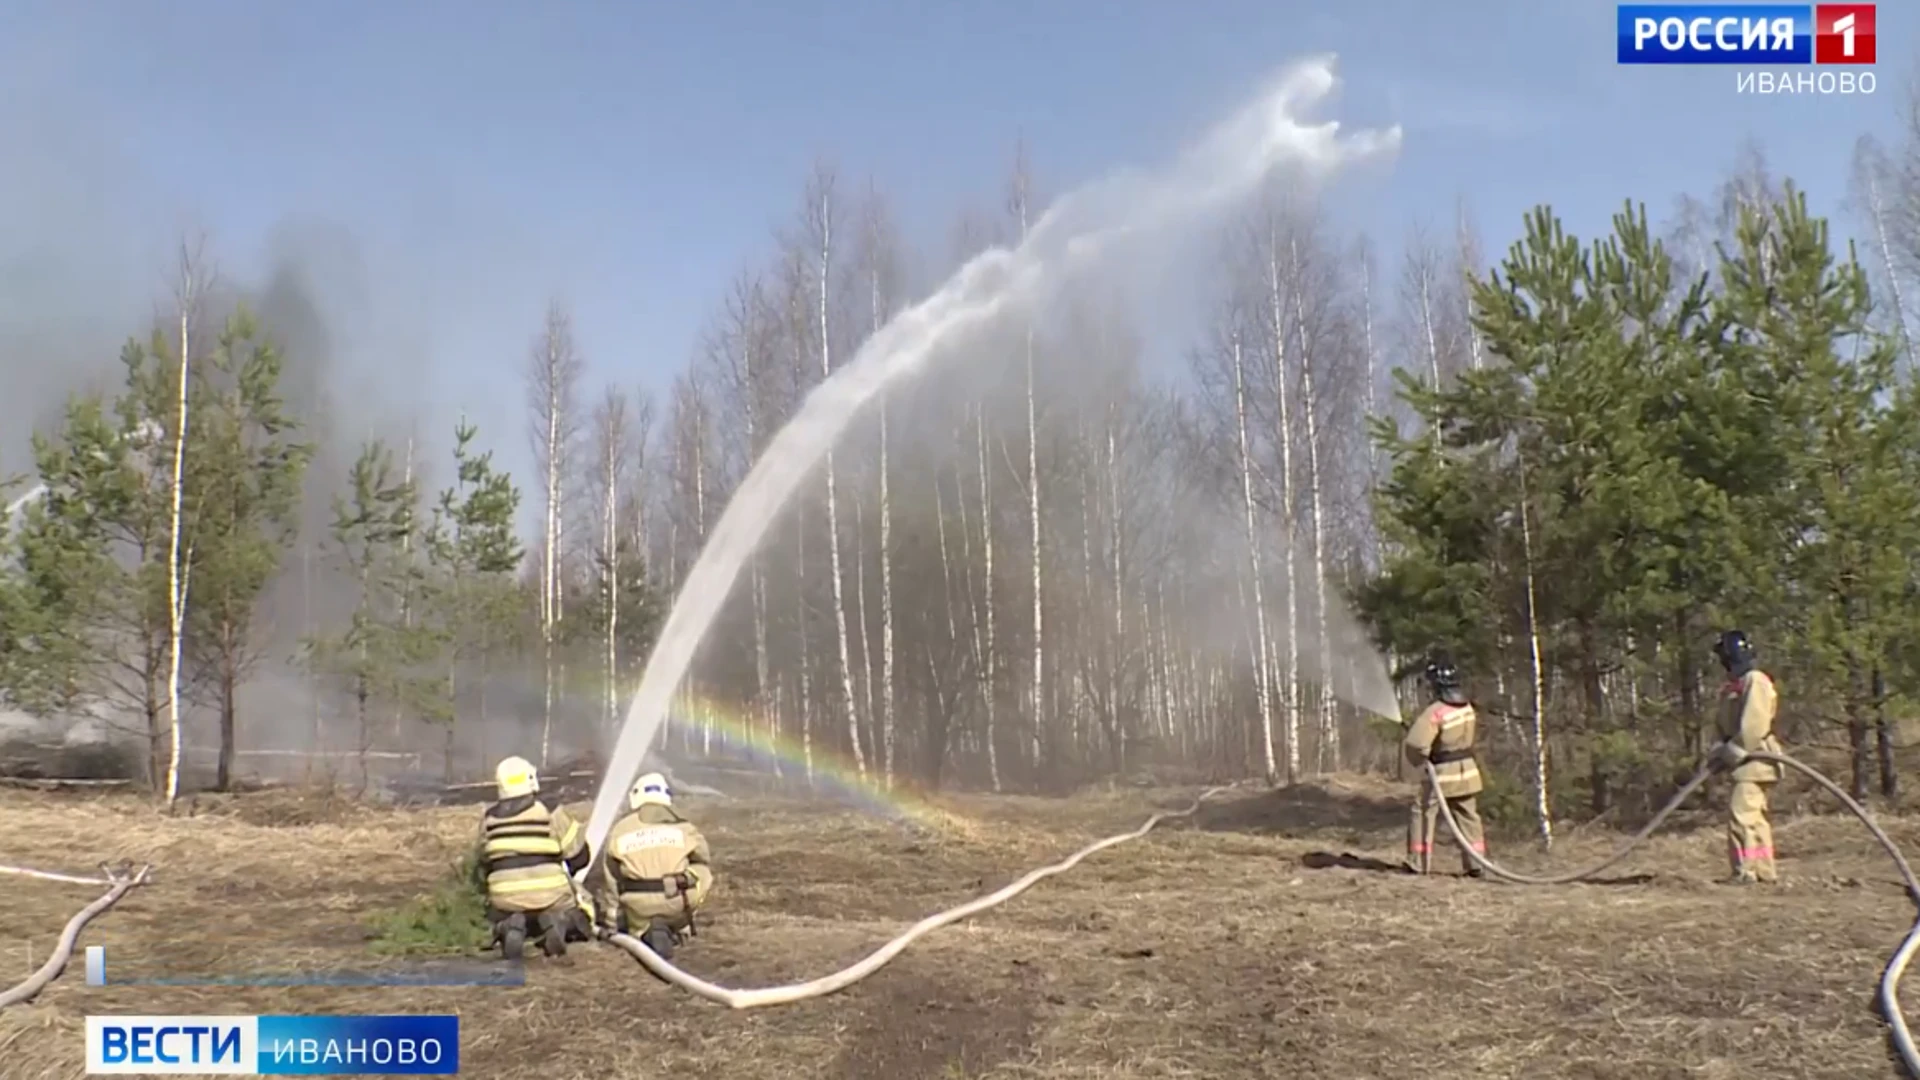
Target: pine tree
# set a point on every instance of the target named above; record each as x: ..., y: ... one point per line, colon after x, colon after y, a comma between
x: 471, y: 594
x: 249, y: 470
x: 94, y: 551
x: 378, y: 652
x: 1843, y: 514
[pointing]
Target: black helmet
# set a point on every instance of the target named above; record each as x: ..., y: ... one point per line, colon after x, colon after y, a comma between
x: 1444, y: 678
x: 1735, y: 651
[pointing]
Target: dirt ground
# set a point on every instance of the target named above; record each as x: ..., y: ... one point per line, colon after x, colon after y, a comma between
x: 1220, y: 947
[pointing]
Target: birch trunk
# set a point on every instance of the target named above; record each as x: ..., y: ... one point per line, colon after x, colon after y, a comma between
x: 1082, y: 706
x: 749, y: 347
x: 1263, y: 646
x: 1033, y: 517
x: 612, y: 464
x: 1542, y: 805
x: 886, y: 600
x: 1370, y: 399
x: 1329, y: 720
x: 989, y: 672
x: 700, y: 535
x: 1019, y: 203
x: 863, y: 642
x: 1469, y: 268
x: 946, y: 557
x: 550, y: 581
x: 1290, y: 684
x: 176, y: 578
x: 825, y: 287
x: 1115, y: 654
x: 1876, y: 210
x: 800, y: 623
x: 877, y: 305
x: 555, y: 370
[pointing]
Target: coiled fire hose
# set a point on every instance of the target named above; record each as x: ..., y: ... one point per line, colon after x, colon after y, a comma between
x: 1889, y: 994
x: 828, y: 984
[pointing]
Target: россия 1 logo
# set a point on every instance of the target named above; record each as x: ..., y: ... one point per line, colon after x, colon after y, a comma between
x: 1767, y: 38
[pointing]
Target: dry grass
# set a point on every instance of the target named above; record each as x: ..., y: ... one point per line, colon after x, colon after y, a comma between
x: 1206, y: 950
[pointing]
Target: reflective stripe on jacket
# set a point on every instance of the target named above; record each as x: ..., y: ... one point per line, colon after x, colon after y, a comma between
x: 526, y: 847
x: 1444, y: 735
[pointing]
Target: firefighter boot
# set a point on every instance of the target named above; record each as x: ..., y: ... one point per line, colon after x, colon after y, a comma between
x: 513, y: 936
x: 554, y: 941
x: 660, y: 938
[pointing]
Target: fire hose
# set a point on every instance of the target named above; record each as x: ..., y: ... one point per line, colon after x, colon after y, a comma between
x: 1888, y: 999
x: 119, y: 881
x: 874, y: 961
x: 1889, y: 996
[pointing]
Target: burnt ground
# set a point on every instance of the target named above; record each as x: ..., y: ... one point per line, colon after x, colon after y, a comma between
x: 1262, y: 939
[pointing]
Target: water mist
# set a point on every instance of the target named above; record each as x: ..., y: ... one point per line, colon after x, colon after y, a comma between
x: 1089, y: 227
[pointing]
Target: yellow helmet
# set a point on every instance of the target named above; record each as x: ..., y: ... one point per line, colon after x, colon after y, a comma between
x: 650, y: 789
x: 515, y: 777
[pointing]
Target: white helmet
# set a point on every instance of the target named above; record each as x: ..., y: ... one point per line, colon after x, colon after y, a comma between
x: 650, y: 789
x: 515, y: 777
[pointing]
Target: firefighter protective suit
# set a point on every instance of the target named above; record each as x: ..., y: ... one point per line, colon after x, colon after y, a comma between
x: 529, y: 852
x: 1443, y: 734
x: 1748, y: 706
x: 658, y: 866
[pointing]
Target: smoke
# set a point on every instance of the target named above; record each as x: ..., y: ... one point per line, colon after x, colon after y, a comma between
x: 90, y: 237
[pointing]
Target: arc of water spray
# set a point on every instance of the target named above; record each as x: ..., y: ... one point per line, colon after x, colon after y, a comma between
x: 15, y: 506
x: 145, y: 434
x: 1082, y: 227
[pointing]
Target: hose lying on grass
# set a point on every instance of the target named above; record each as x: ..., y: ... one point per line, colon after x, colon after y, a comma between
x: 48, y: 875
x: 840, y: 980
x: 1889, y: 997
x: 120, y: 880
x: 828, y: 984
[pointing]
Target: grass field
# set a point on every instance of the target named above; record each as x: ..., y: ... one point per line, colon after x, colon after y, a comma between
x: 1219, y: 947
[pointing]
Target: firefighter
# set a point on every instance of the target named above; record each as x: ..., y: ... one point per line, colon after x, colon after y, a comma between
x: 1748, y: 704
x: 1443, y: 735
x: 529, y: 851
x: 658, y: 867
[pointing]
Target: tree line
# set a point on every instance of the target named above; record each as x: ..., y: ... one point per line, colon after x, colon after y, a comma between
x: 1077, y: 558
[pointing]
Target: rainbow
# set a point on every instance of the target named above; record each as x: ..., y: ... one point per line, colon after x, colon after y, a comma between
x: 735, y: 729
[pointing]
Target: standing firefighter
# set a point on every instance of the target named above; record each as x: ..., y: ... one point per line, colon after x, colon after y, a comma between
x: 1746, y: 723
x: 658, y: 866
x: 530, y: 852
x: 1443, y: 735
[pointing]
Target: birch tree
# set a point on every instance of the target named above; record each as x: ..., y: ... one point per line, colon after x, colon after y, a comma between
x: 1312, y: 331
x: 1421, y: 299
x: 1273, y: 273
x: 1263, y: 668
x: 746, y: 345
x: 1872, y: 173
x: 192, y: 283
x: 879, y: 264
x: 821, y: 218
x: 612, y: 454
x: 1019, y: 205
x: 553, y: 377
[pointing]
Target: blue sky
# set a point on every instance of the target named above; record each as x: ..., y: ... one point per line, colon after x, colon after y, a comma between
x: 630, y: 158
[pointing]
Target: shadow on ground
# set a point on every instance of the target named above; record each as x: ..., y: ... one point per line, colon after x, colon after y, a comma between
x: 916, y: 1027
x: 1346, y: 860
x: 1303, y: 808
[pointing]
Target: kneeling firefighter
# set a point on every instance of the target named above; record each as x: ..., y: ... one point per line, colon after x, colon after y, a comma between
x: 530, y: 852
x: 1443, y: 734
x: 658, y: 867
